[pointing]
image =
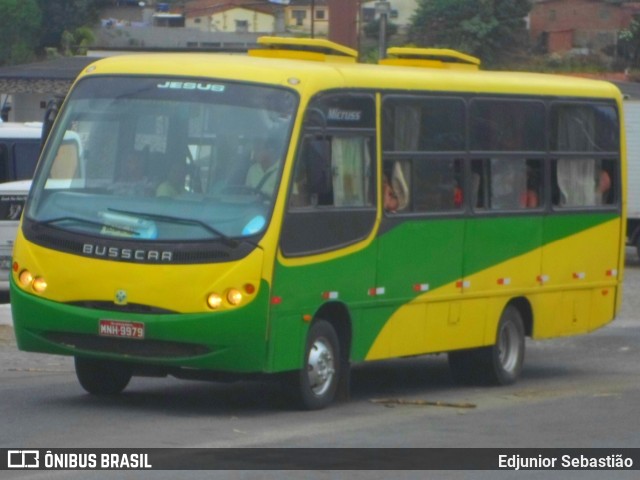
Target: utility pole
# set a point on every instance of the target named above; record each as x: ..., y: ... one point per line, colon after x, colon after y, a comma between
x: 382, y: 9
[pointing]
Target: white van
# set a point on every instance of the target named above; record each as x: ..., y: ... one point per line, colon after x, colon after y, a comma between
x: 19, y: 152
x: 12, y: 199
x: 14, y: 192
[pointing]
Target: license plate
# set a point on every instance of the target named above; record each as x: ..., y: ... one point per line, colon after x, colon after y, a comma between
x: 116, y: 328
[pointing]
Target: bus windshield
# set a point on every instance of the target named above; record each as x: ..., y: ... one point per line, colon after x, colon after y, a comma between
x: 165, y: 159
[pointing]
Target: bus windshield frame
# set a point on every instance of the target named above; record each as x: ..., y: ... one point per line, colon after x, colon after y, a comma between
x: 165, y: 159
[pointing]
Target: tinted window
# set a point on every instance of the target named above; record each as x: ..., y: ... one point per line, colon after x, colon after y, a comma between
x: 499, y: 125
x: 506, y: 184
x: 584, y: 128
x: 584, y: 182
x: 423, y: 124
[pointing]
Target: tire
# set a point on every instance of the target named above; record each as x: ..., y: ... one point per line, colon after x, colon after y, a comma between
x: 462, y: 365
x: 100, y: 377
x: 499, y: 364
x: 314, y: 386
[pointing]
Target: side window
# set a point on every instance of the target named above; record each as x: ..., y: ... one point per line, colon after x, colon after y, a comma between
x: 584, y: 182
x: 509, y: 176
x: 336, y: 171
x: 585, y: 142
x: 507, y: 125
x: 421, y: 172
x: 413, y: 124
x: 506, y: 183
x: 332, y: 196
x: 424, y: 185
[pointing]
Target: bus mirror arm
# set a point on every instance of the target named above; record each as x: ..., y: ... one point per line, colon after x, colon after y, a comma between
x: 53, y: 106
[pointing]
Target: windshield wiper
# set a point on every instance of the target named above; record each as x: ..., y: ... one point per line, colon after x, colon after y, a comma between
x: 180, y: 221
x: 90, y: 222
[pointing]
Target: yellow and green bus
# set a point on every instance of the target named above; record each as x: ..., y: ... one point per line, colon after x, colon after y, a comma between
x: 293, y: 212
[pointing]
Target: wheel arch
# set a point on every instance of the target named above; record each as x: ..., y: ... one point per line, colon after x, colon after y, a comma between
x: 523, y: 306
x: 337, y: 314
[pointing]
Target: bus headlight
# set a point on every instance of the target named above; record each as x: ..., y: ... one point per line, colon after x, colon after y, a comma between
x: 25, y: 278
x: 214, y: 301
x: 234, y: 297
x: 39, y: 284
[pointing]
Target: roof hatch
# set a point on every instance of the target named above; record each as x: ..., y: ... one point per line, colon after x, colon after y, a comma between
x: 430, y: 58
x: 315, y: 49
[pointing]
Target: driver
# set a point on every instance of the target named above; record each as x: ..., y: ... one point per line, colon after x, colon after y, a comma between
x: 262, y: 174
x: 174, y: 184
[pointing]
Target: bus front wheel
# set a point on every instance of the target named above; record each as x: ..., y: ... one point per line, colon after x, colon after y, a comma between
x: 498, y: 364
x: 314, y: 386
x: 99, y: 377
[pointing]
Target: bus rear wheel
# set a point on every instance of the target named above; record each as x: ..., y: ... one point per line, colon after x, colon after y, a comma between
x: 498, y: 364
x: 314, y: 386
x: 101, y: 377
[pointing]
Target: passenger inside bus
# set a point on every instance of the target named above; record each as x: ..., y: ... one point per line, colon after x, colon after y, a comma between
x: 390, y: 198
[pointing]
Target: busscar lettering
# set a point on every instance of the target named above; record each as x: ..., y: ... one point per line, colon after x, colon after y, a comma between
x: 140, y: 255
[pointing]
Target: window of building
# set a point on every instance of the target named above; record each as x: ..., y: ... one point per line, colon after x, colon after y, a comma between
x: 242, y: 26
x: 298, y: 16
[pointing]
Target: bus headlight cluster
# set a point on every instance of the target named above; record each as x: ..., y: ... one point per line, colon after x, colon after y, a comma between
x: 26, y: 279
x: 232, y: 297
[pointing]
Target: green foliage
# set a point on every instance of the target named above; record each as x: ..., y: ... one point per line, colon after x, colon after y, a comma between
x: 77, y: 42
x: 19, y: 24
x: 629, y: 42
x: 372, y: 29
x: 493, y: 30
x: 66, y: 15
x: 565, y: 63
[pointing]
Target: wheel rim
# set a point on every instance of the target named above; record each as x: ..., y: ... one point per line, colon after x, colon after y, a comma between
x: 509, y: 347
x: 320, y: 366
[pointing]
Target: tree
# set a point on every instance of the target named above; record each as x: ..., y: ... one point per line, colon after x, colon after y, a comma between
x: 77, y: 42
x: 19, y: 24
x: 490, y: 29
x: 629, y: 42
x: 372, y: 29
x: 66, y: 15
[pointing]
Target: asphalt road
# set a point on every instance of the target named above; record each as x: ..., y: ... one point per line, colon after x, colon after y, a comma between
x: 577, y: 392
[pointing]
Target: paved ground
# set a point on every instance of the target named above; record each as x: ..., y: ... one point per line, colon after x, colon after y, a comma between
x: 5, y: 314
x: 6, y: 335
